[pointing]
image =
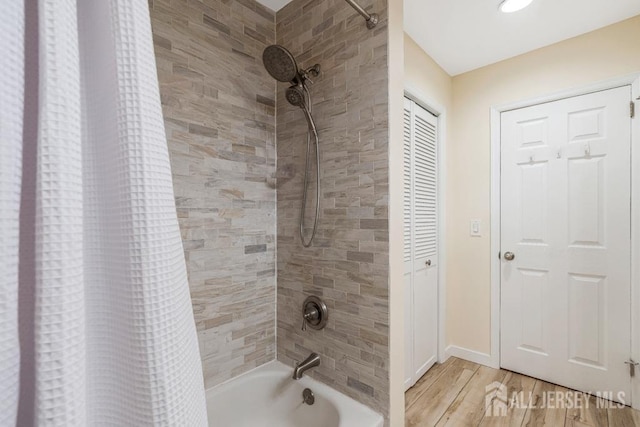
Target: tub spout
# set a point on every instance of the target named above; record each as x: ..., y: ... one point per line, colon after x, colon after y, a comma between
x: 310, y: 362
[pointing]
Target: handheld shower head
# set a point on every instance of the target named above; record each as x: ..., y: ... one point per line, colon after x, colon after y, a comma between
x: 295, y: 96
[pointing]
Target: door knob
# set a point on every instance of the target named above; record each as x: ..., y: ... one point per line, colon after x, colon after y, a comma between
x: 509, y: 256
x: 427, y: 262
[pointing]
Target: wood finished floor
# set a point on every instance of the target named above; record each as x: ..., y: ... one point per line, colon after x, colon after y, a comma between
x: 453, y: 394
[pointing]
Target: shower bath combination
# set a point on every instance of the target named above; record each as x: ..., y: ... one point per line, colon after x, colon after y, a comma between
x: 282, y: 66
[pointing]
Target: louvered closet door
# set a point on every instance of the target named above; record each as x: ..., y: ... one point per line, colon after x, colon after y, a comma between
x: 420, y: 249
x: 408, y: 252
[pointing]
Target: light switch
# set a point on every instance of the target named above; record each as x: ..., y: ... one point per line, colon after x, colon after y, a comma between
x: 475, y: 228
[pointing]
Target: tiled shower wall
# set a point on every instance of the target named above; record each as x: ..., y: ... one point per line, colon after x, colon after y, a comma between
x: 219, y: 110
x: 348, y: 263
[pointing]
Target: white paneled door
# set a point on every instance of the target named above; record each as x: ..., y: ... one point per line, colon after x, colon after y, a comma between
x: 420, y: 241
x: 565, y: 227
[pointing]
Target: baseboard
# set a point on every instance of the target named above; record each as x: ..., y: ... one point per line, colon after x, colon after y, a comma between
x: 471, y: 356
x: 443, y: 356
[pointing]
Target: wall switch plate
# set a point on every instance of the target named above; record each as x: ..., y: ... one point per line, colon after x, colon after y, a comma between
x: 475, y: 228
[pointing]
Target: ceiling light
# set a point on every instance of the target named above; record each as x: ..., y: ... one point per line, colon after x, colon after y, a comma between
x: 508, y: 6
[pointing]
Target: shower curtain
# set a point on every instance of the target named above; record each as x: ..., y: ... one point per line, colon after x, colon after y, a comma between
x: 96, y: 324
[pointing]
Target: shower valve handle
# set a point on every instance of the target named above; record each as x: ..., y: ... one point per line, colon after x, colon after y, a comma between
x: 310, y: 315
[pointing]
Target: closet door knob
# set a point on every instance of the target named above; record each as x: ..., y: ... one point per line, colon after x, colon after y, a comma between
x: 427, y: 262
x: 509, y: 256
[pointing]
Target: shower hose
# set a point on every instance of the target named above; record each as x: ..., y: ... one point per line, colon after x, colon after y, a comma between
x: 310, y: 131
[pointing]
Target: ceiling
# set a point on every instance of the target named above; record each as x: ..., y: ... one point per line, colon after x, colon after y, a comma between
x: 462, y: 35
x: 274, y: 4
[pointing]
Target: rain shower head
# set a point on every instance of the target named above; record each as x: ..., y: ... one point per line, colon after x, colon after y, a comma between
x: 280, y: 63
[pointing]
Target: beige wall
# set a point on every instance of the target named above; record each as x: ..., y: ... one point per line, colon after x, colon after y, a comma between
x: 600, y: 55
x: 423, y: 74
x: 610, y: 52
x: 425, y: 79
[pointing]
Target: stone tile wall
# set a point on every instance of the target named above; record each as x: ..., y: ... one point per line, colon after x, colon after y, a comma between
x: 219, y: 110
x: 348, y: 263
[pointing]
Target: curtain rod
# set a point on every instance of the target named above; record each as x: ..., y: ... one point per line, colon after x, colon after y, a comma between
x: 372, y: 20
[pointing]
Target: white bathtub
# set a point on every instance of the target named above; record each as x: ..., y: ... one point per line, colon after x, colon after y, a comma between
x: 268, y: 397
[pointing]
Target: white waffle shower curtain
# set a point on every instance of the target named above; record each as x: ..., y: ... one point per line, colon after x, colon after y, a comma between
x: 96, y: 324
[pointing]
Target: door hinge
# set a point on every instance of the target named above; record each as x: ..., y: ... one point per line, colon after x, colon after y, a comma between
x: 632, y: 109
x: 632, y: 367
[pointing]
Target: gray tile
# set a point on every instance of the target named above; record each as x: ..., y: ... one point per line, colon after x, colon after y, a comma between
x: 202, y: 55
x: 220, y: 115
x: 360, y: 386
x: 253, y: 249
x: 360, y: 256
x: 202, y: 130
x: 374, y: 224
x: 215, y: 24
x: 348, y: 262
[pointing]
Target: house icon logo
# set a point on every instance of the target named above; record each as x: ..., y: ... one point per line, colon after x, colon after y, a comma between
x: 496, y: 400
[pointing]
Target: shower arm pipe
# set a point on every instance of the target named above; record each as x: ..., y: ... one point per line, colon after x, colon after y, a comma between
x: 372, y: 19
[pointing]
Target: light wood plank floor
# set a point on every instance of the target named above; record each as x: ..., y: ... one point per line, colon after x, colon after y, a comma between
x: 453, y: 394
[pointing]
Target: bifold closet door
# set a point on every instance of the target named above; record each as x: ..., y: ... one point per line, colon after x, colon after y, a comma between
x: 420, y: 241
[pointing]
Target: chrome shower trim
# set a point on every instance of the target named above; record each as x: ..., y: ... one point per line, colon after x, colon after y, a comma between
x: 280, y: 63
x: 372, y: 19
x: 282, y: 66
x: 306, y: 109
x: 310, y: 362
